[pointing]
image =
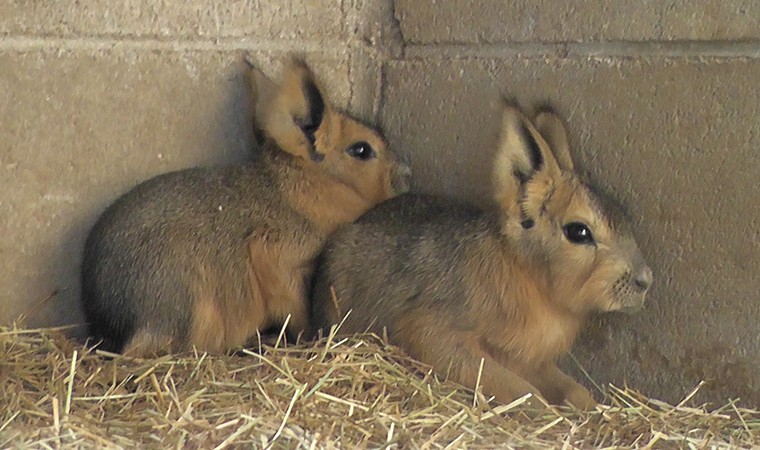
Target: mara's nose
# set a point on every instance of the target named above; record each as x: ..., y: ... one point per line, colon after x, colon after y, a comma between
x: 643, y: 279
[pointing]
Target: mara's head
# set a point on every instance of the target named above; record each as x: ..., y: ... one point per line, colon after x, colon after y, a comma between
x: 556, y: 222
x: 297, y: 116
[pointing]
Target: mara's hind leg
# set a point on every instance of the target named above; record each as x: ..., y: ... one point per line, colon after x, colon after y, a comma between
x: 146, y: 344
x: 207, y: 330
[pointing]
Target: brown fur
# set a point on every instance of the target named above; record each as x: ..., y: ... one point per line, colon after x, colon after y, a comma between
x: 208, y: 257
x: 511, y: 287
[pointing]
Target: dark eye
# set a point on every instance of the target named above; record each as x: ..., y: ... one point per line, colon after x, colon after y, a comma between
x: 578, y: 233
x: 361, y: 151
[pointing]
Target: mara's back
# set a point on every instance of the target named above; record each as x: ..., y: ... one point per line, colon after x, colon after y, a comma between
x: 407, y: 253
x: 171, y: 235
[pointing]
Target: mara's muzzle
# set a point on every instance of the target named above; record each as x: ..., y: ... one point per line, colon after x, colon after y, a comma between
x: 631, y: 293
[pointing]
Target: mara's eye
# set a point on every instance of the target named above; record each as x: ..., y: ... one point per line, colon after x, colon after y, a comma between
x: 361, y: 151
x: 578, y: 233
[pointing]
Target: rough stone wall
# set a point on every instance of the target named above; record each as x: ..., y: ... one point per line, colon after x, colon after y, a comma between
x: 661, y: 98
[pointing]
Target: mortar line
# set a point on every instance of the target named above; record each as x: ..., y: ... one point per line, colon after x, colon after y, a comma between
x: 623, y: 49
x: 398, y: 31
x: 720, y: 49
x: 30, y: 43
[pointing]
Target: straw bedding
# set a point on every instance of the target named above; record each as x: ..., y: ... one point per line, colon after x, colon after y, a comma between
x: 349, y: 393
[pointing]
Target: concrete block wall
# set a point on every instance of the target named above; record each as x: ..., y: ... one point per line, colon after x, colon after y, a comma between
x: 661, y: 98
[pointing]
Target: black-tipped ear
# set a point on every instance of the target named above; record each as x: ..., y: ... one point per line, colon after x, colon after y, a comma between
x: 534, y: 151
x: 554, y: 132
x: 263, y: 90
x: 315, y: 113
x: 522, y: 153
x: 294, y: 112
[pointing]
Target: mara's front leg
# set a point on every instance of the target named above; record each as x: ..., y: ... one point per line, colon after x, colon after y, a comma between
x: 505, y: 385
x: 558, y: 387
x: 278, y: 274
x: 460, y: 356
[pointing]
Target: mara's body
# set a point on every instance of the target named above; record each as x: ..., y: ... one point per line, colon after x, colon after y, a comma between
x: 206, y: 257
x: 512, y: 286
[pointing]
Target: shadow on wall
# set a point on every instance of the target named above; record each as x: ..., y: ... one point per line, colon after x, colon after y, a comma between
x: 723, y: 375
x: 228, y: 140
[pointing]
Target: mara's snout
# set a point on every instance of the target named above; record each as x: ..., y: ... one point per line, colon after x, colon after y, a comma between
x: 631, y: 289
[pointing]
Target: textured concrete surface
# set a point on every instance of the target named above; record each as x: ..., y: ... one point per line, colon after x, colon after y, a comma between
x: 312, y: 19
x: 678, y: 153
x: 661, y: 97
x: 486, y: 21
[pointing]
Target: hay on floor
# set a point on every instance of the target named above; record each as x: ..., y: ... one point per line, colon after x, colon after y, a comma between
x: 347, y: 393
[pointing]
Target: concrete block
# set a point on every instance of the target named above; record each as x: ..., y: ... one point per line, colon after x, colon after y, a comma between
x: 675, y: 141
x: 372, y: 22
x: 484, y: 21
x: 82, y: 127
x: 711, y: 20
x: 289, y: 19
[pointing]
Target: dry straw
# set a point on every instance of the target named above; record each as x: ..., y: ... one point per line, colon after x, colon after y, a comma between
x: 336, y: 393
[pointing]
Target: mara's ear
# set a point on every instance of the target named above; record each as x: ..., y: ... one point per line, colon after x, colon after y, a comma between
x: 263, y: 91
x: 554, y: 131
x: 522, y: 154
x: 292, y: 112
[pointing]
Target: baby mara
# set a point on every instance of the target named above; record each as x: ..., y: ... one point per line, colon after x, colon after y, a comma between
x: 207, y: 257
x: 510, y: 288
